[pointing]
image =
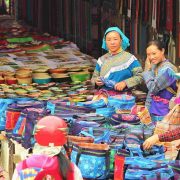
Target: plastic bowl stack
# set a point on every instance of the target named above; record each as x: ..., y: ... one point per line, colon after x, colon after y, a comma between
x: 57, y: 70
x: 41, y: 78
x: 24, y: 76
x: 60, y: 77
x: 59, y: 74
x: 9, y: 77
x: 80, y: 76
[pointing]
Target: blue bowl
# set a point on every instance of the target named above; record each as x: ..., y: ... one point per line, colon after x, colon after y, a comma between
x: 42, y: 81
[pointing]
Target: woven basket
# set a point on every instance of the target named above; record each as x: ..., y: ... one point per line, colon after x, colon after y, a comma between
x: 24, y: 80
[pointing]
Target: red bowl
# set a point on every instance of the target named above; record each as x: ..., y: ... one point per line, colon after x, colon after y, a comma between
x: 11, y: 81
x: 2, y: 81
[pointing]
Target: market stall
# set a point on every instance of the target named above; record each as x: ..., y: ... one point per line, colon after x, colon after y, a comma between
x: 44, y: 75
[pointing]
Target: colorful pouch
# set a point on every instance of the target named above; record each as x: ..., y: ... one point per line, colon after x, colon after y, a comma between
x: 124, y: 118
x: 92, y: 159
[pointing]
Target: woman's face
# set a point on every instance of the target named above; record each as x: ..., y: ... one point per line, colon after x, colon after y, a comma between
x: 113, y: 42
x: 155, y: 55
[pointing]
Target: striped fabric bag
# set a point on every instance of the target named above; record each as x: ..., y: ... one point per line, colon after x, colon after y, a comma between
x: 92, y: 160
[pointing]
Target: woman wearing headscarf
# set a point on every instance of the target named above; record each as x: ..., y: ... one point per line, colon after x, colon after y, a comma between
x: 117, y: 70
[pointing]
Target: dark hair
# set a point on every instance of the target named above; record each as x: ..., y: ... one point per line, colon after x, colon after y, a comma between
x: 64, y: 165
x: 156, y: 43
x: 113, y: 31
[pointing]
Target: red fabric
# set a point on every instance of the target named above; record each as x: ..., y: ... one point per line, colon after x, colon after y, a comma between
x: 50, y: 166
x: 136, y: 28
x: 169, y: 15
x: 11, y: 119
x: 44, y: 173
x: 3, y: 42
x: 158, y: 14
x: 119, y: 167
x: 21, y: 129
x: 54, y: 174
x: 146, y: 10
x: 170, y: 135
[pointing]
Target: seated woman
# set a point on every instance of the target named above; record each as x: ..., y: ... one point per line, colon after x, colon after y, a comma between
x: 117, y: 70
x: 160, y: 80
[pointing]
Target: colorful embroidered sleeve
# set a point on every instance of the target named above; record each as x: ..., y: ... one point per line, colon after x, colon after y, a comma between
x: 97, y: 70
x: 170, y: 135
x: 156, y: 83
x: 136, y: 78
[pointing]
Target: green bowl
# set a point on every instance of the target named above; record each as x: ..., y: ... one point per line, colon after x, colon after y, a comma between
x: 42, y: 81
x: 79, y: 76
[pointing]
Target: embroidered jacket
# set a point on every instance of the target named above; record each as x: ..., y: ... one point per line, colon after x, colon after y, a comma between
x: 120, y: 67
x: 161, y: 87
x: 170, y: 135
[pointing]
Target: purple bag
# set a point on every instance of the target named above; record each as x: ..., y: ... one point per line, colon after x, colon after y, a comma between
x: 159, y: 106
x: 124, y: 118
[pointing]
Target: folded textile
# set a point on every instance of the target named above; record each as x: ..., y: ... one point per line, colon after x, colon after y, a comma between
x: 108, y: 83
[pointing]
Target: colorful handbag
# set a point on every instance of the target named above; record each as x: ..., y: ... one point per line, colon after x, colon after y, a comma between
x: 100, y: 135
x: 77, y: 126
x: 23, y: 131
x: 106, y: 111
x: 122, y: 102
x: 124, y: 118
x: 115, y: 144
x: 92, y: 159
x: 4, y: 105
x: 78, y: 139
x: 93, y: 117
x: 152, y: 167
x: 94, y: 104
x: 175, y: 166
x: 140, y: 168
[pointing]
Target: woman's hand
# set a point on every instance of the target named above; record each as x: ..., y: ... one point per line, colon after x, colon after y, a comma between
x: 120, y: 86
x: 150, y: 142
x: 99, y: 82
x: 148, y: 65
